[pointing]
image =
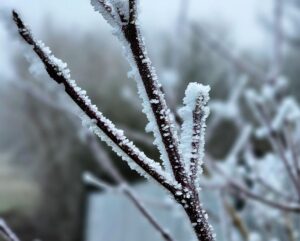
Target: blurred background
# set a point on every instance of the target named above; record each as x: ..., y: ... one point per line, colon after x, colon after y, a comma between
x: 240, y: 48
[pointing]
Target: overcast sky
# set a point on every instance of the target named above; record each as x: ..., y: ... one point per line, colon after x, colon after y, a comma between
x: 156, y: 15
x: 241, y: 15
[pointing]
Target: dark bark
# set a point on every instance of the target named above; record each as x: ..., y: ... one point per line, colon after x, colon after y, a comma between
x: 189, y: 199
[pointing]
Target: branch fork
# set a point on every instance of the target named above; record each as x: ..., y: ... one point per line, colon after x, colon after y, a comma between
x: 174, y: 176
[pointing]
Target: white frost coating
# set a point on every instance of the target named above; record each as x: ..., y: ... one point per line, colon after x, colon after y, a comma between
x: 107, y: 12
x: 153, y: 127
x: 154, y: 165
x: 64, y: 71
x: 195, y: 93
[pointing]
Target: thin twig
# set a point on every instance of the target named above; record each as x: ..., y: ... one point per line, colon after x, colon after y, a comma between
x: 6, y: 232
x: 55, y: 73
x: 137, y: 202
x: 198, y: 116
x: 242, y: 191
x: 157, y: 101
x: 238, y: 189
x: 290, y: 143
x: 273, y: 190
x: 132, y: 11
x: 278, y: 146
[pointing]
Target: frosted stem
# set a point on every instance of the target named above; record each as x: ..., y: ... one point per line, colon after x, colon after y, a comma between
x: 157, y: 101
x: 199, y: 117
x: 155, y: 107
x: 6, y: 232
x: 132, y: 11
x: 194, y: 114
x: 112, y: 136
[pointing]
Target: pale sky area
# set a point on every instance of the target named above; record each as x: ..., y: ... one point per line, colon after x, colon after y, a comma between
x: 241, y: 16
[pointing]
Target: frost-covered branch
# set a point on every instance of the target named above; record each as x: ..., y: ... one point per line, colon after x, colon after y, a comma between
x: 95, y: 119
x: 6, y: 232
x: 161, y: 121
x: 154, y: 104
x: 174, y: 177
x: 194, y: 115
x: 132, y: 11
x: 107, y: 11
x: 99, y: 154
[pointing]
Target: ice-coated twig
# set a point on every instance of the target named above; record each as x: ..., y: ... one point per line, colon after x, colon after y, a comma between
x: 151, y: 92
x: 194, y: 114
x: 132, y: 11
x: 161, y: 122
x: 103, y: 159
x: 101, y: 156
x: 6, y: 232
x: 106, y: 11
x: 155, y: 107
x: 175, y: 178
x: 100, y: 124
